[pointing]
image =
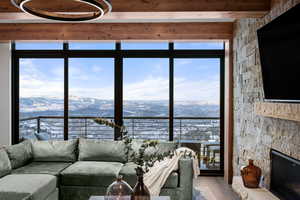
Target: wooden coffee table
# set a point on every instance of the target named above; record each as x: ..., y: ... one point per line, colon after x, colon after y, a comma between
x: 125, y: 198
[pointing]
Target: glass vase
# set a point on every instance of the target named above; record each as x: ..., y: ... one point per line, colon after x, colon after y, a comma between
x: 140, y: 190
x: 119, y: 188
x: 251, y: 175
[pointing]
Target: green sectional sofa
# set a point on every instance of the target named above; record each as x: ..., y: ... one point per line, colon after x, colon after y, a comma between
x: 77, y: 169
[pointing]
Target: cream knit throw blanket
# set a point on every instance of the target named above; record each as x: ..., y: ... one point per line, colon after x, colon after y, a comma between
x: 156, y: 177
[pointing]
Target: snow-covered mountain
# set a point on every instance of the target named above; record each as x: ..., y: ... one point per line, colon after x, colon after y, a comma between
x: 44, y: 106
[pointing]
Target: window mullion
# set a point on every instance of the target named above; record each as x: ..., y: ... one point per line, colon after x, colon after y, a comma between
x: 118, y: 91
x: 66, y: 92
x: 171, y: 92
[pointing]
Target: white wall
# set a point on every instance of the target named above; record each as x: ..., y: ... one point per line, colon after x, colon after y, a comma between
x: 5, y: 94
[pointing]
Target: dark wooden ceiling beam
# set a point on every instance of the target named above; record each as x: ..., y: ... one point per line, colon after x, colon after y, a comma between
x: 190, y: 5
x: 121, y: 31
x: 153, y: 5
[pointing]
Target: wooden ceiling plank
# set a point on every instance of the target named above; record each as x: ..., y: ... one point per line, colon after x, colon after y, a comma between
x: 155, y: 5
x: 123, y: 31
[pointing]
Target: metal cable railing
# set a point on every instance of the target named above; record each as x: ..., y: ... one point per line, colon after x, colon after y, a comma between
x: 185, y: 128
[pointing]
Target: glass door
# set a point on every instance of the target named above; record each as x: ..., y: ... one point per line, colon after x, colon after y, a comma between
x: 146, y: 97
x: 197, y: 116
x: 41, y: 102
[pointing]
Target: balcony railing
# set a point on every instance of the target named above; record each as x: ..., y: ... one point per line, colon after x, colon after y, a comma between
x: 186, y: 129
x: 200, y: 134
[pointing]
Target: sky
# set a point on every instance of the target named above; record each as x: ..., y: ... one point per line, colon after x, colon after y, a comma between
x: 144, y: 78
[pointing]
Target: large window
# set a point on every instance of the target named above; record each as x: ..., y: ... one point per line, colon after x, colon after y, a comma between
x: 91, y: 94
x: 41, y: 94
x: 165, y: 91
x: 146, y: 97
x: 197, y: 107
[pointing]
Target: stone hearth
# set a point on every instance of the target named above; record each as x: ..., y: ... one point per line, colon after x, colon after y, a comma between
x: 251, y: 194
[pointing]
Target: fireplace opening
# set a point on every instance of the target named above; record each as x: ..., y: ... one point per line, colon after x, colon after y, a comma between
x: 285, y: 176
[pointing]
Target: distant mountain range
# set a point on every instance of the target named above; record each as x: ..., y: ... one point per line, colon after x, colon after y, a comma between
x: 42, y: 106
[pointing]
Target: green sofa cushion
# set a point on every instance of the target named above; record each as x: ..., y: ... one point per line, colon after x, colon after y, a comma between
x: 102, y: 150
x: 5, y: 165
x: 54, y: 195
x: 15, y: 196
x: 20, y: 154
x: 39, y: 186
x: 55, y: 151
x: 90, y: 173
x: 129, y: 175
x: 52, y: 168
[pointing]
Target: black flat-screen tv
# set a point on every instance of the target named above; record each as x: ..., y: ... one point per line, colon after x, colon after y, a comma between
x: 279, y: 47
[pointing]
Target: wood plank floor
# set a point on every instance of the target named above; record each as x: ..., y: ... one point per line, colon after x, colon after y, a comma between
x: 214, y: 188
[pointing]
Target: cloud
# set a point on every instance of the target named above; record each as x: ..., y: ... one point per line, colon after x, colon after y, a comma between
x: 35, y: 83
x: 148, y: 89
x: 157, y: 88
x: 76, y: 73
x: 96, y: 68
x: 58, y: 72
x: 98, y: 93
x: 202, y: 91
x: 28, y: 69
x: 40, y: 88
x: 182, y: 62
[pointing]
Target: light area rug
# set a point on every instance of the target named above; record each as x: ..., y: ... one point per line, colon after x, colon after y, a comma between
x: 197, y: 195
x: 203, y: 194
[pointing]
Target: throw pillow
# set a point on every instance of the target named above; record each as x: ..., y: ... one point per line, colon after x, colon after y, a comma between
x: 20, y: 154
x: 5, y: 165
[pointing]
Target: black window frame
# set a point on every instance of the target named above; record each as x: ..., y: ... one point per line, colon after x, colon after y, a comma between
x: 118, y: 54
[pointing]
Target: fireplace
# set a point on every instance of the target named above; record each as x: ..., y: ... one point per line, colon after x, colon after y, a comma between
x: 285, y: 176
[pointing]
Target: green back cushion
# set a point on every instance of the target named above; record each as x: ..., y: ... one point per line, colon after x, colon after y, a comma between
x: 5, y: 166
x: 54, y: 151
x: 162, y: 147
x: 102, y: 150
x: 20, y: 154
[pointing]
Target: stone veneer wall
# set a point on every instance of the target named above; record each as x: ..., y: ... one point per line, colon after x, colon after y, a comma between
x: 254, y: 135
